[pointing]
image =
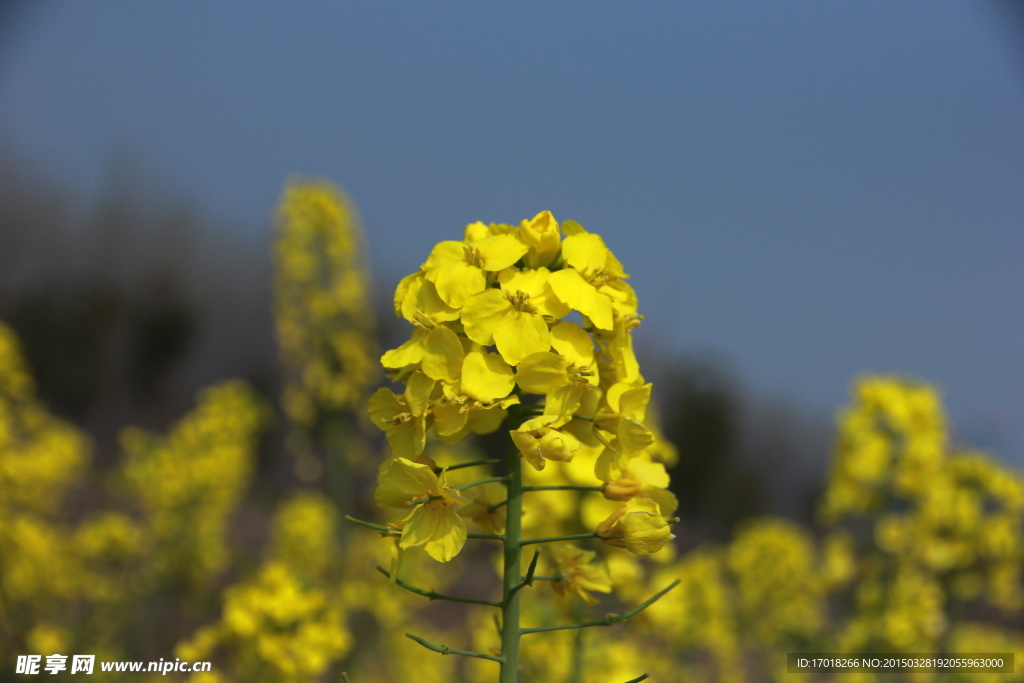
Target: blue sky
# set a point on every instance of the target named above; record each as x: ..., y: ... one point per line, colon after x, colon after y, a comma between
x: 812, y: 189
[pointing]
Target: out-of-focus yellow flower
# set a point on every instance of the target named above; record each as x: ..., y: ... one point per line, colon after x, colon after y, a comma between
x: 486, y: 509
x: 322, y: 305
x: 637, y: 526
x: 189, y: 482
x: 579, y: 573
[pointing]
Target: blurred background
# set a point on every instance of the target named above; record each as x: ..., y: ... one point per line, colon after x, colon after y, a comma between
x: 802, y: 192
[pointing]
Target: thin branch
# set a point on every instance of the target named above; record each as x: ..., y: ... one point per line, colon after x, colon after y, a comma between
x: 563, y: 488
x: 368, y: 525
x: 434, y: 595
x: 344, y: 678
x: 642, y: 677
x: 552, y: 539
x: 480, y: 482
x: 528, y: 579
x: 611, y: 618
x: 471, y: 463
x: 487, y: 537
x: 492, y: 508
x: 445, y: 650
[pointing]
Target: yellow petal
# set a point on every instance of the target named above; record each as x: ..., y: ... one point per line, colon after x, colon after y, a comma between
x: 486, y: 377
x: 585, y: 252
x: 633, y: 403
x: 409, y: 353
x: 457, y: 281
x: 529, y: 446
x: 666, y: 500
x: 573, y: 228
x: 445, y: 253
x: 449, y: 418
x: 541, y: 372
x: 421, y: 297
x: 421, y: 527
x: 403, y: 289
x: 384, y: 405
x: 573, y: 342
x: 476, y: 231
x: 633, y: 436
x: 449, y: 536
x: 442, y: 353
x: 499, y: 251
x: 413, y: 478
x: 521, y: 334
x: 417, y: 392
x: 486, y: 421
x: 481, y: 314
x: 387, y: 495
x: 643, y: 529
x: 564, y: 401
x: 570, y: 287
x: 555, y: 445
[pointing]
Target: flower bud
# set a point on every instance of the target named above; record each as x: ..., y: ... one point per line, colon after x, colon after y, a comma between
x: 622, y: 489
x: 542, y: 236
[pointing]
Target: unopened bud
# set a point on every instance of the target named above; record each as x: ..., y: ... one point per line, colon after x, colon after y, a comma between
x: 622, y: 489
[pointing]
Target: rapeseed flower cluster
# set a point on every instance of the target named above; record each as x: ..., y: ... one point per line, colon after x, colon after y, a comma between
x: 523, y: 332
x: 322, y: 305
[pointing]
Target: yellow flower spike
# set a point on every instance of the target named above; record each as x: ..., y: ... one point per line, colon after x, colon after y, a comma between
x: 542, y: 236
x: 637, y: 526
x: 435, y: 525
x: 486, y: 377
x: 580, y: 573
x: 459, y: 270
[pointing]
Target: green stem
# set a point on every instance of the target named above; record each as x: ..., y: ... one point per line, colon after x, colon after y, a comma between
x: 529, y: 578
x: 368, y: 525
x: 510, y: 631
x: 445, y: 650
x: 563, y: 488
x: 471, y: 463
x: 641, y: 677
x: 434, y: 595
x: 552, y: 539
x: 611, y: 618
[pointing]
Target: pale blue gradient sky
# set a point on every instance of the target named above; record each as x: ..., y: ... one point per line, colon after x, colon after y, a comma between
x: 813, y: 189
